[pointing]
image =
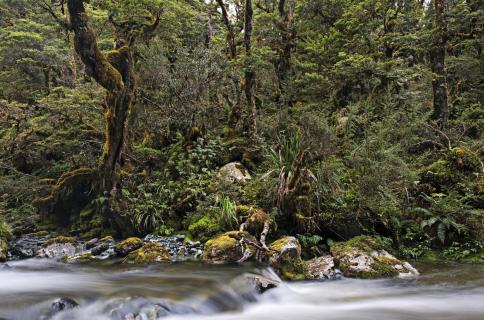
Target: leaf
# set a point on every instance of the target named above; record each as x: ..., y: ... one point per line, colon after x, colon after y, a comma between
x: 429, y: 222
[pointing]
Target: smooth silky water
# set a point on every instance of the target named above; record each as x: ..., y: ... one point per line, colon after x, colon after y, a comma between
x: 192, y: 290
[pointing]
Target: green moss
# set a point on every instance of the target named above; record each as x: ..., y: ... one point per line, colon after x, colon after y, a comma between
x: 439, y: 173
x: 5, y: 230
x: 243, y: 210
x: 466, y: 159
x: 59, y: 239
x: 278, y: 244
x: 366, y: 243
x: 147, y: 152
x: 293, y: 271
x: 149, y: 253
x: 348, y: 255
x: 41, y: 233
x: 107, y: 239
x: 128, y: 244
x: 223, y: 242
x: 205, y: 228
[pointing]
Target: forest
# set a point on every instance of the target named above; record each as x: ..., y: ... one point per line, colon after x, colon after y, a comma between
x: 299, y: 134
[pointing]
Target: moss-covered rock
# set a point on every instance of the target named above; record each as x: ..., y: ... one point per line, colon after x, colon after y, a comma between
x: 284, y: 250
x: 128, y: 245
x: 366, y: 257
x: 80, y: 258
x: 228, y: 247
x: 285, y: 256
x: 59, y: 239
x: 149, y: 253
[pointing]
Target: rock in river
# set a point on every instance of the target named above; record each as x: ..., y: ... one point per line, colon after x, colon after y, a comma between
x: 228, y: 247
x: 149, y: 253
x: 366, y: 257
x: 128, y: 245
x: 57, y: 247
x: 321, y: 268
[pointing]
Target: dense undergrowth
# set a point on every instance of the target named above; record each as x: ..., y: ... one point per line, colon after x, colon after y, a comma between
x: 346, y: 145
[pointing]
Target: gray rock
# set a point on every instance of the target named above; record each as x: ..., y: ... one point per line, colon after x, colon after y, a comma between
x: 60, y: 305
x: 234, y: 172
x: 365, y: 257
x: 284, y: 250
x: 57, y: 250
x: 26, y: 246
x: 92, y: 243
x: 321, y: 268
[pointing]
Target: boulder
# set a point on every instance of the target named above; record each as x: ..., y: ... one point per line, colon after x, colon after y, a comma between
x: 228, y: 247
x: 103, y: 247
x: 128, y: 245
x: 366, y: 257
x: 234, y: 172
x: 285, y: 256
x: 57, y: 247
x: 321, y: 268
x: 284, y: 250
x: 26, y: 246
x: 150, y: 252
x: 60, y: 305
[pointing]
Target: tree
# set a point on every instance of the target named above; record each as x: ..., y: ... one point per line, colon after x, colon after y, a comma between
x: 114, y: 72
x: 249, y: 71
x: 437, y: 57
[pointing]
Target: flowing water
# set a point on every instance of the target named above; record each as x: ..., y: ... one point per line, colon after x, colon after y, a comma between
x: 192, y: 290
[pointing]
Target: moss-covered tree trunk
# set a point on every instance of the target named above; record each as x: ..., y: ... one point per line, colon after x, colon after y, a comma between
x: 437, y: 57
x: 236, y: 105
x: 283, y: 63
x: 115, y: 72
x: 249, y: 71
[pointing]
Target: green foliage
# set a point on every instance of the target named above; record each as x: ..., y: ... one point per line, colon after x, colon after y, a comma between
x: 5, y: 230
x: 205, y: 228
x: 228, y: 212
x: 344, y: 95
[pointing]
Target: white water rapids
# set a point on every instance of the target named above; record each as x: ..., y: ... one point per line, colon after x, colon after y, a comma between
x: 197, y: 291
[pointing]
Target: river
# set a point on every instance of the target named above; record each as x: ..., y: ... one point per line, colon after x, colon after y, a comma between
x: 191, y: 290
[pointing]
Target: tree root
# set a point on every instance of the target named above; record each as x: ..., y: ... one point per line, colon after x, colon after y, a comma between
x: 67, y: 183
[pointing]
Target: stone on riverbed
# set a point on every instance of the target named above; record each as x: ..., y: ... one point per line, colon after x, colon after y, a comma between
x: 366, y: 257
x: 128, y: 245
x: 57, y: 247
x: 285, y: 257
x: 60, y: 305
x: 26, y: 246
x: 228, y: 247
x: 149, y: 253
x: 321, y: 268
x: 104, y: 248
x: 284, y: 250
